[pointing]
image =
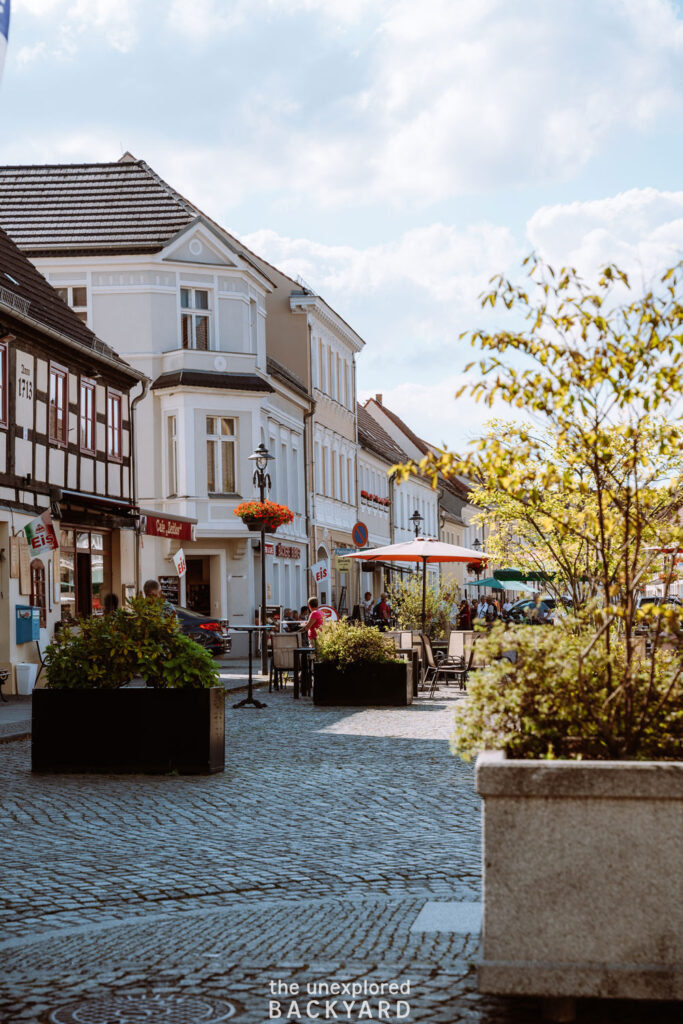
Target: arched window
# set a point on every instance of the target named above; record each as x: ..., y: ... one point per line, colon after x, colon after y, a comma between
x: 38, y: 589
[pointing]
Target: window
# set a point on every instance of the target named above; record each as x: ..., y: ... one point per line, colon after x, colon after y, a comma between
x: 86, y: 417
x: 114, y: 449
x: 75, y: 296
x: 3, y: 384
x: 38, y: 589
x: 59, y: 380
x: 195, y: 324
x: 220, y: 454
x: 172, y: 425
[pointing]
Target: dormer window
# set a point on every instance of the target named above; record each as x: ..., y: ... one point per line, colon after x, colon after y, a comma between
x: 77, y: 298
x: 194, y: 318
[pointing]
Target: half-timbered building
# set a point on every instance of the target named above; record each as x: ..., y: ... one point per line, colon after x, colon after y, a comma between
x: 66, y: 420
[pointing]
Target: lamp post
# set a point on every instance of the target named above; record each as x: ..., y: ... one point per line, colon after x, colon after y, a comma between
x: 417, y: 520
x: 262, y: 480
x: 476, y: 544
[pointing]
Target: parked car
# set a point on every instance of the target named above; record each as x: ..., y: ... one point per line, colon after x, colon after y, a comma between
x: 643, y: 601
x: 520, y: 611
x: 207, y: 631
x: 644, y: 628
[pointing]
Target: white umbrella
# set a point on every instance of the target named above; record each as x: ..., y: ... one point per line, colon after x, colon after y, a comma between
x: 422, y: 549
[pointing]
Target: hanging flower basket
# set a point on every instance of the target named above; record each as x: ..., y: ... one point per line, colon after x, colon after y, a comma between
x: 263, y: 515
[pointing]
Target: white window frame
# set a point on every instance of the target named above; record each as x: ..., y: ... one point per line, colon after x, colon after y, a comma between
x: 192, y: 313
x: 219, y: 439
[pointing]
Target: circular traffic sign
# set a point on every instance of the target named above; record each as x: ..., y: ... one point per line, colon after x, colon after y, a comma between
x: 359, y: 535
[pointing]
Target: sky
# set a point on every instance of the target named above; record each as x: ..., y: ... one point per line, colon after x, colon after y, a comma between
x: 393, y: 155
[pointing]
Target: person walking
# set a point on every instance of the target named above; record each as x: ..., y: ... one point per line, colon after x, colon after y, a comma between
x: 315, y: 620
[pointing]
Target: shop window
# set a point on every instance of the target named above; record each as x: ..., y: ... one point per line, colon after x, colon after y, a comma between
x: 220, y: 454
x: 38, y: 589
x: 194, y: 318
x: 87, y: 416
x: 59, y: 383
x: 114, y: 446
x: 84, y: 572
x: 75, y: 296
x: 3, y: 384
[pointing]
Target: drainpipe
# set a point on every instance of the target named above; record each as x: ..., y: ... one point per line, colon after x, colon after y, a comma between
x: 309, y: 476
x: 132, y: 475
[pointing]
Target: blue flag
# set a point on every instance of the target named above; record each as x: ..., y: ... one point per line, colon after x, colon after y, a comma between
x: 4, y: 31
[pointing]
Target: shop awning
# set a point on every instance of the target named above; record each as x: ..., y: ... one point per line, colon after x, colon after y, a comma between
x: 118, y: 506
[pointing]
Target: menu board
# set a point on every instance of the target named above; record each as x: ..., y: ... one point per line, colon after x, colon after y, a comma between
x: 170, y: 588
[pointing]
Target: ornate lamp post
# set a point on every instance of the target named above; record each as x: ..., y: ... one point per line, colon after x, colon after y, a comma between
x: 262, y: 480
x: 417, y: 520
x: 476, y: 544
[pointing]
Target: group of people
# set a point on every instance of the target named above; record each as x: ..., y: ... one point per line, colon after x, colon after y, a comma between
x: 377, y: 613
x: 485, y: 610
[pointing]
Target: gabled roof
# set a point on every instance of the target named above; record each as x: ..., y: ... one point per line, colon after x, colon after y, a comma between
x: 375, y: 438
x: 26, y: 294
x: 451, y: 484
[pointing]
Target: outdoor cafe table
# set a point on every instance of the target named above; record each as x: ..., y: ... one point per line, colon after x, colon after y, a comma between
x: 302, y: 670
x: 250, y: 701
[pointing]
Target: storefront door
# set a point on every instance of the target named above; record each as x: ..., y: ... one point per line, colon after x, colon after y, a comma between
x: 84, y: 571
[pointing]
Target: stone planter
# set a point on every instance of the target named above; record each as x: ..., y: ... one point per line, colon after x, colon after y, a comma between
x: 373, y: 684
x: 135, y: 729
x: 583, y: 878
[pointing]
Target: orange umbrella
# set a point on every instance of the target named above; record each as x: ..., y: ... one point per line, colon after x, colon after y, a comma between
x: 422, y: 549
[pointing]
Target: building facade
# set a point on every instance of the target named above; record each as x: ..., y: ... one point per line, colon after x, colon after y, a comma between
x: 66, y: 425
x: 169, y: 290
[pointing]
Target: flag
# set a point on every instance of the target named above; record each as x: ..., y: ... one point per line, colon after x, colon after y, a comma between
x: 4, y: 31
x: 40, y: 533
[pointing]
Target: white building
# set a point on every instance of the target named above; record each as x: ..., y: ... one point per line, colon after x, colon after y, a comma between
x: 169, y: 290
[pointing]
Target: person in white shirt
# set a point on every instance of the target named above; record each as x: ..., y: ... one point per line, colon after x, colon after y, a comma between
x: 482, y: 608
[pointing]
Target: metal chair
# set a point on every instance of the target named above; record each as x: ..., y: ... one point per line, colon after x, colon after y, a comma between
x: 434, y: 671
x: 282, y: 658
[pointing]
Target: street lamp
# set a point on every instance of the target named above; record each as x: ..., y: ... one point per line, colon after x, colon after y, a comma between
x: 262, y: 480
x: 417, y: 520
x: 476, y: 544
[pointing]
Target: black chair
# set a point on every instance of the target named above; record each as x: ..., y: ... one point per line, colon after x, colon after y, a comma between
x: 434, y: 671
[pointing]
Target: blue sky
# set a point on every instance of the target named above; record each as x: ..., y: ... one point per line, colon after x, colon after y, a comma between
x: 393, y: 154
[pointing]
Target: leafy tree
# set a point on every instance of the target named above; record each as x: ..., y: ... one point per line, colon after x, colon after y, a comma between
x: 592, y: 489
x: 405, y: 598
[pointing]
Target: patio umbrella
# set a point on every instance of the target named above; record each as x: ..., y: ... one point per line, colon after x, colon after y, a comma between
x: 495, y: 584
x: 424, y: 550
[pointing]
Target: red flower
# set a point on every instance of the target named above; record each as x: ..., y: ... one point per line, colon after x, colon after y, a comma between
x: 268, y: 511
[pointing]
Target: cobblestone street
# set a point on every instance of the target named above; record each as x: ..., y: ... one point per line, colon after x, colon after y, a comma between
x: 173, y: 899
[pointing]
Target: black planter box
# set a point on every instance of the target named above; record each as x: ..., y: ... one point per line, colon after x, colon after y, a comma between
x: 372, y: 684
x: 130, y: 730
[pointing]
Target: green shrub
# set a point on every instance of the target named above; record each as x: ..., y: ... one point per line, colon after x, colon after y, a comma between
x: 346, y: 644
x: 144, y: 639
x: 555, y: 699
x: 405, y: 598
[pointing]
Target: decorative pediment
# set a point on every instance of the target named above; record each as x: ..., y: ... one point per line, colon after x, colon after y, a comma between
x: 196, y: 244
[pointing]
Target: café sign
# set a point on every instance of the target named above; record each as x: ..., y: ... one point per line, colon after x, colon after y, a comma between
x: 162, y: 526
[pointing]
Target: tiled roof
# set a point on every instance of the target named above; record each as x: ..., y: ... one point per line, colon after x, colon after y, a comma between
x: 91, y: 208
x: 213, y: 379
x: 23, y: 289
x: 374, y: 437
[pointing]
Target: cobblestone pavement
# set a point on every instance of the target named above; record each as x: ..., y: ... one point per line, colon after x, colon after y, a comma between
x: 174, y: 900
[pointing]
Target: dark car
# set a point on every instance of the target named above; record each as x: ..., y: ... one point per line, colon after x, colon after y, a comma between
x: 207, y: 631
x: 521, y: 610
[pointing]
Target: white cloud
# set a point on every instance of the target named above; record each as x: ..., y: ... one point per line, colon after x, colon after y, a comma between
x: 67, y: 22
x: 641, y: 230
x: 447, y: 263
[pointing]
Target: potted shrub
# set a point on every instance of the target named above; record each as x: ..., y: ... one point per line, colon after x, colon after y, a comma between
x: 582, y: 774
x: 356, y: 665
x: 263, y: 515
x: 88, y: 719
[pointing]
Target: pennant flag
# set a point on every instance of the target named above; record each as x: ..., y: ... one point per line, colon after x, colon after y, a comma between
x: 40, y: 533
x: 4, y: 31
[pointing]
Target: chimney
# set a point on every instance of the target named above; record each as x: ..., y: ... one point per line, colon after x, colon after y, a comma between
x: 378, y: 399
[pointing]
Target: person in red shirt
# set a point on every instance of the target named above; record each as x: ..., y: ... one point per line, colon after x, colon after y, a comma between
x: 315, y: 620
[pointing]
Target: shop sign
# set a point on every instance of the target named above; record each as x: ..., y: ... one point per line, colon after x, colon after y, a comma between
x: 40, y: 533
x: 270, y: 549
x: 320, y: 572
x: 180, y: 563
x: 161, y: 526
x: 286, y: 551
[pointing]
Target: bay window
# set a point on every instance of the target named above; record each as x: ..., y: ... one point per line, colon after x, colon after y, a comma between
x: 220, y: 454
x: 194, y: 318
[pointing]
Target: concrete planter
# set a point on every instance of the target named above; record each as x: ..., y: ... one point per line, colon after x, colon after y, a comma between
x: 371, y: 684
x: 583, y: 878
x: 134, y: 729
